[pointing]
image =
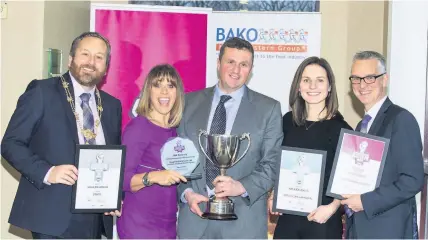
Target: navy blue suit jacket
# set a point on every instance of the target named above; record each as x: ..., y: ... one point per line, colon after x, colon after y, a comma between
x: 42, y: 133
x: 388, y: 210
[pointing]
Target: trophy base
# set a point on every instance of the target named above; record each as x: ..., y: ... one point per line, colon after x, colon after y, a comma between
x: 214, y: 216
x: 220, y: 209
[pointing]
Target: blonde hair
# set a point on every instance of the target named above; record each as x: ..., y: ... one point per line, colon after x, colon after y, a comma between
x: 158, y: 74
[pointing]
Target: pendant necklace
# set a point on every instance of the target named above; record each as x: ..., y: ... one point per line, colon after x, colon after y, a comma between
x: 310, y: 125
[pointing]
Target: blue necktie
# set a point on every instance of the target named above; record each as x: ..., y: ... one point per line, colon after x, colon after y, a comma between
x: 88, y: 117
x: 218, y: 126
x: 365, y: 123
x: 363, y: 128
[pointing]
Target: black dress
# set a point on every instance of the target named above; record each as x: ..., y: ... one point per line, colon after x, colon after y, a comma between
x: 322, y: 135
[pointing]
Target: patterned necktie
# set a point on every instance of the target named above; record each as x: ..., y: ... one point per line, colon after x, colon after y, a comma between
x: 88, y: 117
x: 364, y: 125
x: 218, y: 126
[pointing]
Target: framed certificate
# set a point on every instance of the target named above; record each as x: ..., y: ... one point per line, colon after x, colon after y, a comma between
x: 98, y: 187
x: 299, y: 182
x: 358, y: 163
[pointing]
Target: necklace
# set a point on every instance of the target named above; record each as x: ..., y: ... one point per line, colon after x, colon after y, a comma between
x: 88, y: 134
x: 310, y: 125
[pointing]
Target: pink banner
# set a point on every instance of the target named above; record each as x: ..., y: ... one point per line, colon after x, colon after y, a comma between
x: 141, y: 39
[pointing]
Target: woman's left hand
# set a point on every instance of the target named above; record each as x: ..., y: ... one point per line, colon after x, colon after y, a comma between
x: 322, y: 213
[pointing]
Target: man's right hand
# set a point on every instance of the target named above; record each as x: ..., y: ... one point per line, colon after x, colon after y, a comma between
x: 193, y: 199
x: 64, y: 174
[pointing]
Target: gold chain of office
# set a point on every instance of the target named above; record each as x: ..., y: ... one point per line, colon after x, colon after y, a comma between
x: 87, y: 133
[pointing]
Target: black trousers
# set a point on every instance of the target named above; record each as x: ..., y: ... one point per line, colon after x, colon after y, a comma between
x: 298, y: 227
x: 82, y: 226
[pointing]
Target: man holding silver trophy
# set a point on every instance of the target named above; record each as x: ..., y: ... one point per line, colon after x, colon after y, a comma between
x: 229, y: 201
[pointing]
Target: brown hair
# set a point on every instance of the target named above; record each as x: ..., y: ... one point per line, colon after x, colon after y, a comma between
x: 156, y: 75
x: 297, y: 103
x: 78, y: 39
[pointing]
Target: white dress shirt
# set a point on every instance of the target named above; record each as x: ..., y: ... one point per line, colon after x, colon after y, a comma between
x: 78, y: 90
x: 373, y: 111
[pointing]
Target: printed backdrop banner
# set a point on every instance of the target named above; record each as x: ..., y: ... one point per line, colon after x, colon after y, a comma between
x: 281, y: 42
x: 143, y: 36
x: 190, y: 39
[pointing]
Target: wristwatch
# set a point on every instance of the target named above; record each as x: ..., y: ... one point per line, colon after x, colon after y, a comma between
x: 146, y: 180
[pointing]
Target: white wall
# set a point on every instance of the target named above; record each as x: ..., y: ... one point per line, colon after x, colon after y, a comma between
x: 21, y: 61
x: 407, y: 57
x: 30, y: 28
x: 61, y: 27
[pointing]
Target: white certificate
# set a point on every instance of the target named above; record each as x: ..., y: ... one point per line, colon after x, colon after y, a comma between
x: 300, y: 179
x: 358, y: 164
x: 99, y: 183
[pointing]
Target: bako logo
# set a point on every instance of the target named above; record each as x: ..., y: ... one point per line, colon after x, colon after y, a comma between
x: 267, y: 39
x: 262, y: 35
x: 250, y: 34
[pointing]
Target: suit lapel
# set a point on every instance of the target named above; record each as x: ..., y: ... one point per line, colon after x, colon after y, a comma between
x: 245, y: 108
x: 199, y: 120
x: 103, y: 118
x: 380, y: 117
x: 71, y: 119
x: 358, y: 128
x: 240, y: 125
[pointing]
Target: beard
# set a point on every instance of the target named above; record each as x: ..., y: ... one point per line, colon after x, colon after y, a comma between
x: 85, y: 78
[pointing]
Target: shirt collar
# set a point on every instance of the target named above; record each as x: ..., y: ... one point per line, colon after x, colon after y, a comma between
x: 373, y: 111
x: 238, y: 94
x: 78, y: 89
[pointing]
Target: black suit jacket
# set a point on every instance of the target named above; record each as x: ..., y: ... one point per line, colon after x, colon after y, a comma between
x: 42, y: 133
x: 388, y: 210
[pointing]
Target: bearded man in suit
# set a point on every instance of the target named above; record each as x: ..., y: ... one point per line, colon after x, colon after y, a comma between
x: 51, y: 117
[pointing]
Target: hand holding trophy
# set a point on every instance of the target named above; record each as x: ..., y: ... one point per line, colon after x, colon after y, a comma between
x: 222, y: 151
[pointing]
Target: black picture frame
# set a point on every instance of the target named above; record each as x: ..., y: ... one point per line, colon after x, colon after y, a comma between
x: 322, y: 157
x: 114, y: 155
x: 338, y: 152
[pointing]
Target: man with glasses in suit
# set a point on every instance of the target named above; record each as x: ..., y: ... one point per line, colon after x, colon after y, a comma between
x: 389, y: 211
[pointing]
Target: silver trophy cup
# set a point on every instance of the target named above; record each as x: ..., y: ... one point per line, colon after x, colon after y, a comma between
x: 222, y: 151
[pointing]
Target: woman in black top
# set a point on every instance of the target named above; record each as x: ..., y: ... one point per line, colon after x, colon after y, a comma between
x: 313, y: 123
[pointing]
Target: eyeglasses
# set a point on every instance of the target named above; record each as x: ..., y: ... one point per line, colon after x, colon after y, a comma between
x: 367, y: 79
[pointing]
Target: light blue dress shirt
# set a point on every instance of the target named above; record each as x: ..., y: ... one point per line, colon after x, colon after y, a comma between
x: 231, y: 106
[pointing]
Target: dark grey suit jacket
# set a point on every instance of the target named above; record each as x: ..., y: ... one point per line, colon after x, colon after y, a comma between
x: 388, y: 210
x: 260, y: 116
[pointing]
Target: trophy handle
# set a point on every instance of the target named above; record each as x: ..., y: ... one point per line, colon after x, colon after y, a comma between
x: 205, y: 133
x: 243, y: 136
